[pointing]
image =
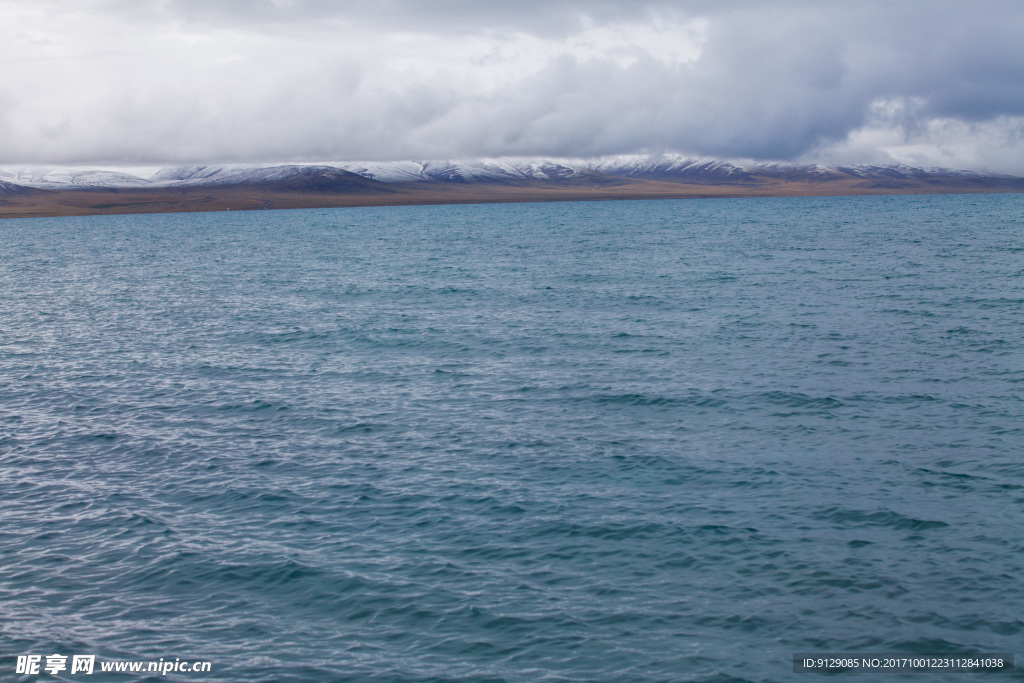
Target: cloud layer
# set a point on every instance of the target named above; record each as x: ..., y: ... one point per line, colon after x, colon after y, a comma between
x: 179, y: 81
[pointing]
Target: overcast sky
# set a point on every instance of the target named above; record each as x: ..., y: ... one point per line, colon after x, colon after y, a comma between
x: 177, y: 81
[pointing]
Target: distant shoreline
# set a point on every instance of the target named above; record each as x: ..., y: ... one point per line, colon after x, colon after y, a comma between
x: 31, y: 202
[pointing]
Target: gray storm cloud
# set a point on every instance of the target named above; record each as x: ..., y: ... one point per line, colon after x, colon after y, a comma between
x: 173, y: 81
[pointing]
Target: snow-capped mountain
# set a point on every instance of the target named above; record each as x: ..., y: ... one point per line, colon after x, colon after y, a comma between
x: 339, y: 176
x: 704, y: 169
x: 671, y: 167
x: 288, y: 177
x: 69, y: 178
x: 508, y: 170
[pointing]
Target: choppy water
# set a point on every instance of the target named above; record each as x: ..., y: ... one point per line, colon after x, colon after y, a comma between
x: 672, y: 440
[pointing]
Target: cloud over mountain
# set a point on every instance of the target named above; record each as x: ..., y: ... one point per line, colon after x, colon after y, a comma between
x: 158, y: 81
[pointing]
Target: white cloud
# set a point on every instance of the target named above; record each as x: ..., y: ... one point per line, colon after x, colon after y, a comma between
x: 153, y: 81
x: 896, y: 132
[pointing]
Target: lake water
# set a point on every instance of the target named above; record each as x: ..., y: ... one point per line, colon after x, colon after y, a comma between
x: 645, y: 441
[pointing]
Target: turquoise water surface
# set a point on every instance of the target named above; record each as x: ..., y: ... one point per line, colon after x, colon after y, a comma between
x: 644, y: 441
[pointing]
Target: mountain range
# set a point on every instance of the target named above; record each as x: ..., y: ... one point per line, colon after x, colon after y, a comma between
x: 72, y: 190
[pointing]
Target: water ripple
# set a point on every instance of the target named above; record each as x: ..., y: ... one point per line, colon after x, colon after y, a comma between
x: 647, y: 441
